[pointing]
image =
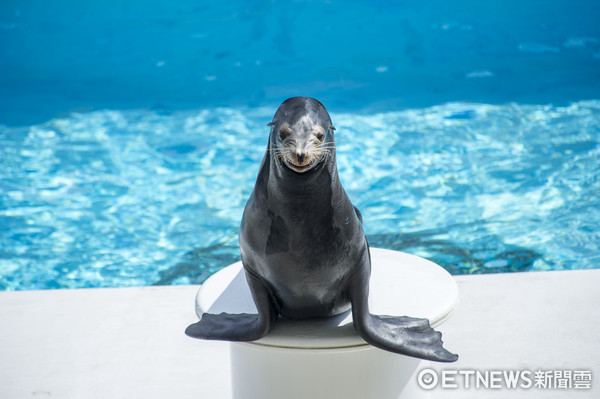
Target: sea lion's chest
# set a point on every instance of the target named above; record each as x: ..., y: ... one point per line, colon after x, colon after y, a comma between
x: 305, y: 248
x: 309, y: 273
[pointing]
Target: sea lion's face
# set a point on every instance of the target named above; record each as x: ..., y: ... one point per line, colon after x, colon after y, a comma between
x: 302, y: 135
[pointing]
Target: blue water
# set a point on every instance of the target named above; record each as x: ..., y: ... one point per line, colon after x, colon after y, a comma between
x: 131, y: 132
x: 119, y: 198
x: 60, y: 55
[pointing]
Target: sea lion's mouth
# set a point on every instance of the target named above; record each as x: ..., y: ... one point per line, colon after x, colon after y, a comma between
x: 301, y: 162
x: 300, y: 168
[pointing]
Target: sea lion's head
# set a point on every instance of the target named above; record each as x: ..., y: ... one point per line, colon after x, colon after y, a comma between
x: 301, y: 134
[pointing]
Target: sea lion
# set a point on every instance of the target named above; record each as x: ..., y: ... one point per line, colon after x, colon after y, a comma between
x: 303, y: 247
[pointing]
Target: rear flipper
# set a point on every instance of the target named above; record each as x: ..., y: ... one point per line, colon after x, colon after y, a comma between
x: 405, y: 335
x: 243, y: 326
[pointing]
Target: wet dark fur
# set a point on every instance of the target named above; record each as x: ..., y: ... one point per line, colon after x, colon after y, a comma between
x: 305, y: 253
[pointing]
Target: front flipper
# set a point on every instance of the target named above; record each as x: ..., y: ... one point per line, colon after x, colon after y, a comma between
x: 243, y: 326
x: 228, y: 327
x: 405, y: 335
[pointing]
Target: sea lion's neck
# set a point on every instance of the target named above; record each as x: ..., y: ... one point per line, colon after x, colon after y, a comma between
x: 292, y: 191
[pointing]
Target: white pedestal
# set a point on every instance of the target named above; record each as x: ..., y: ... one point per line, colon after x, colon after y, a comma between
x: 326, y: 358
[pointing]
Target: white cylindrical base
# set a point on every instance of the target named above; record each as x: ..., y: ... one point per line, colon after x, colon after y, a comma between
x: 326, y: 358
x: 362, y: 372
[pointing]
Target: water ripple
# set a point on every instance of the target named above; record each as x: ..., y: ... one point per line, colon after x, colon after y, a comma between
x: 122, y: 198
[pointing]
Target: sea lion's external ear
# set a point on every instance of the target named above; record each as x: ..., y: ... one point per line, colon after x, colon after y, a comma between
x: 270, y: 124
x: 331, y: 127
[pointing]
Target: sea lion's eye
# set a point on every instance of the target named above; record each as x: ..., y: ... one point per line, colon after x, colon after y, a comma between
x: 283, y: 133
x: 319, y: 133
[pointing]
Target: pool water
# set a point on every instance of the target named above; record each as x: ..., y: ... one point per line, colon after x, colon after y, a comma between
x: 121, y: 198
x: 131, y: 133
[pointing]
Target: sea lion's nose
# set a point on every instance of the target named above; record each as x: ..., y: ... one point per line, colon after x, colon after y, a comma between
x: 300, y: 156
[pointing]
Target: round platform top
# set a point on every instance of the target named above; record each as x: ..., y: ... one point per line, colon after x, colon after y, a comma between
x: 401, y: 285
